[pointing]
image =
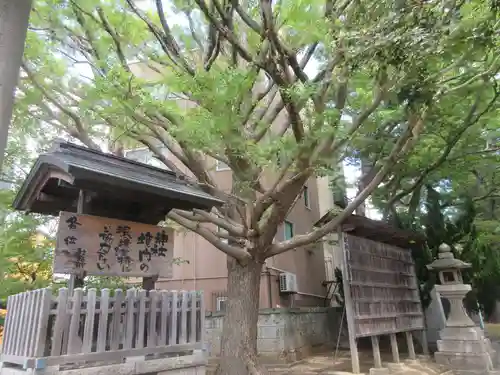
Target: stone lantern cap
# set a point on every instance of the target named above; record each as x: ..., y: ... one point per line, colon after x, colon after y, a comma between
x: 446, y: 260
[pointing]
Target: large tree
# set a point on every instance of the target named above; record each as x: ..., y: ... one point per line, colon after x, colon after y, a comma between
x: 280, y: 91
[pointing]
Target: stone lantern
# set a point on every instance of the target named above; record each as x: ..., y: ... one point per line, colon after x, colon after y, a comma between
x: 462, y: 347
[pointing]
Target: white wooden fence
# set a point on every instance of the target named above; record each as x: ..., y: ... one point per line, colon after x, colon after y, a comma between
x: 44, y: 330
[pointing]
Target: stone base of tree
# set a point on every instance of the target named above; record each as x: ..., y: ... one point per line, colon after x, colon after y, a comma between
x: 288, y: 334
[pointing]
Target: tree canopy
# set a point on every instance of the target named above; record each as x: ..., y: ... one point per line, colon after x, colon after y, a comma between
x: 281, y: 92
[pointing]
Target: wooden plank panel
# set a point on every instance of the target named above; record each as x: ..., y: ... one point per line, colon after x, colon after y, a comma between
x: 43, y: 323
x: 32, y: 301
x: 60, y: 321
x: 202, y: 329
x: 102, y: 332
x: 10, y: 324
x: 194, y: 311
x: 173, y: 320
x: 21, y: 335
x: 164, y: 318
x: 141, y: 319
x: 74, y: 339
x: 116, y: 321
x: 130, y: 315
x: 88, y: 331
x: 384, y: 288
x: 153, y: 313
x: 85, y: 243
x: 110, y: 355
x: 184, y: 322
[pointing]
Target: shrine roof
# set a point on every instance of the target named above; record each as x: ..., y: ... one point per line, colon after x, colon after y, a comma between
x: 116, y: 187
x: 376, y: 230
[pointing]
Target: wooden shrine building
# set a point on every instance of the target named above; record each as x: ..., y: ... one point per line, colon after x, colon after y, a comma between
x: 109, y: 208
x: 114, y: 187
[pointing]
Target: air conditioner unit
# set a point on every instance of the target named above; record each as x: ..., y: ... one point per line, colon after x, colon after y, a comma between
x: 288, y: 283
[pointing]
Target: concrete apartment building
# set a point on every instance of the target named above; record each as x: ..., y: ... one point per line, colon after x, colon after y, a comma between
x: 203, y: 267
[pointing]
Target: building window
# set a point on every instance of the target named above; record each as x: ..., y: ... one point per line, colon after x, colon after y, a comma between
x: 288, y: 230
x: 221, y: 166
x: 221, y: 303
x: 306, y: 197
x: 223, y: 231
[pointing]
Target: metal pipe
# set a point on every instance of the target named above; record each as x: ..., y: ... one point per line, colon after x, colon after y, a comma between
x: 277, y: 269
x: 299, y: 293
x: 14, y: 18
x: 311, y: 295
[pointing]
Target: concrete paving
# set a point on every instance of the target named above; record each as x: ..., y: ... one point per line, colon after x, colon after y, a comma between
x: 325, y: 364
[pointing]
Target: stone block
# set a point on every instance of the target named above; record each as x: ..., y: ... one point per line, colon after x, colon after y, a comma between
x: 270, y: 345
x: 379, y: 371
x: 464, y: 361
x: 461, y: 333
x: 462, y: 346
x: 271, y: 332
x: 395, y: 367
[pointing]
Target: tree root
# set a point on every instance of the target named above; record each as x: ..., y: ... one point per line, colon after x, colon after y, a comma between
x: 253, y: 367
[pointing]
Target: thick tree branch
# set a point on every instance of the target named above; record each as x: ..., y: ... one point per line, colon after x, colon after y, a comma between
x: 402, y: 146
x: 116, y: 41
x: 240, y: 254
x: 82, y: 132
x: 450, y: 145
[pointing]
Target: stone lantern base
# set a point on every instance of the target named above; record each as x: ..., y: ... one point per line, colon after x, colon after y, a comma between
x: 463, y: 347
x: 465, y: 350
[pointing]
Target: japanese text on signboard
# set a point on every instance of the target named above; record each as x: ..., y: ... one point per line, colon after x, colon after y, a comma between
x: 102, y: 246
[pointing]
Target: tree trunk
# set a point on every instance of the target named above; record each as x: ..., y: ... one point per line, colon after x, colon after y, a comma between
x: 239, y: 333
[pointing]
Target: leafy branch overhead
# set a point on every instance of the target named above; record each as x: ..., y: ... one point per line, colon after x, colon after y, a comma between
x: 280, y: 92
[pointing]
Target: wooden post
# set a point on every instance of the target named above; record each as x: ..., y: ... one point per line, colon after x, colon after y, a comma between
x: 184, y: 322
x: 351, y: 326
x: 14, y: 18
x: 60, y: 322
x: 173, y: 320
x: 75, y: 342
x: 194, y: 311
x: 43, y: 322
x: 116, y: 333
x: 376, y: 352
x: 202, y: 320
x: 141, y: 320
x: 148, y: 283
x: 74, y: 280
x: 394, y: 348
x: 102, y: 332
x: 409, y: 343
x: 164, y: 318
x: 152, y: 340
x: 88, y: 331
x: 130, y: 319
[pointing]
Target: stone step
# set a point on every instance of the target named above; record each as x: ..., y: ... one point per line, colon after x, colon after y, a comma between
x: 463, y: 346
x: 464, y: 361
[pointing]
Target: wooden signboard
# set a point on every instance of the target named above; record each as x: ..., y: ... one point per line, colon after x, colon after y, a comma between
x: 95, y: 245
x: 382, y: 286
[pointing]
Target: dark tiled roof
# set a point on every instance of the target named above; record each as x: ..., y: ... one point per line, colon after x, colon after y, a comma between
x: 376, y: 230
x: 118, y: 187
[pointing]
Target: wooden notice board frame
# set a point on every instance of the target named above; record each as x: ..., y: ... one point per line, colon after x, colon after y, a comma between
x: 381, y: 293
x: 100, y: 246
